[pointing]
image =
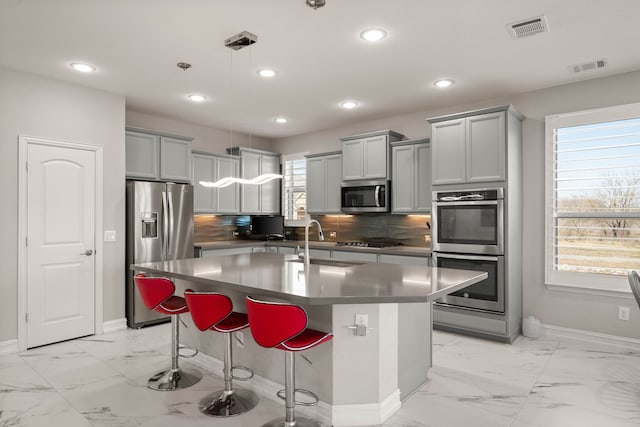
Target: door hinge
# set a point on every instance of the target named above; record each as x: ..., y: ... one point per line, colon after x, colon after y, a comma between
x: 26, y: 241
x: 26, y: 165
x: 26, y: 317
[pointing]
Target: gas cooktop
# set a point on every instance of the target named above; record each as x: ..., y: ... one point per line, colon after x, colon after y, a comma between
x: 367, y: 244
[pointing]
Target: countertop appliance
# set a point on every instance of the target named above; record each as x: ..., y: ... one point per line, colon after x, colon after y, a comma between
x: 159, y: 228
x: 365, y: 196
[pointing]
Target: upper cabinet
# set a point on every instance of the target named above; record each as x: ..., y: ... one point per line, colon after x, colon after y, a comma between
x: 472, y: 147
x: 366, y: 156
x: 264, y: 198
x: 324, y: 176
x: 211, y: 168
x: 157, y: 157
x: 411, y: 177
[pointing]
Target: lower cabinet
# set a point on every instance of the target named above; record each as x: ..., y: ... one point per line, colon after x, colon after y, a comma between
x: 227, y: 251
x: 354, y: 256
x: 404, y: 259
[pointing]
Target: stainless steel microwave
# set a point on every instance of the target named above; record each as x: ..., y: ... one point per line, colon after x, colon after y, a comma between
x: 365, y: 196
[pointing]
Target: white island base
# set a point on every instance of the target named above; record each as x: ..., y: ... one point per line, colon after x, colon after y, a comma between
x: 360, y: 380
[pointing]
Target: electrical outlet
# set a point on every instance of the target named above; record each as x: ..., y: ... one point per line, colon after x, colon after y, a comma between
x: 239, y: 338
x: 332, y: 234
x: 623, y: 313
x: 362, y: 319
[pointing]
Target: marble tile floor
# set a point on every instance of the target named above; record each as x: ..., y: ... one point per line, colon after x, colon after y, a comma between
x: 548, y: 382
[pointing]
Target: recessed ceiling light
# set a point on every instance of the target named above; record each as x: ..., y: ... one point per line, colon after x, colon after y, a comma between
x: 350, y: 104
x: 266, y: 72
x: 373, y: 34
x: 197, y: 98
x: 443, y: 83
x: 280, y: 120
x: 83, y: 68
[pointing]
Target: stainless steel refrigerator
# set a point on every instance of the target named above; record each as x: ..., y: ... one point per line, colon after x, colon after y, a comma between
x: 159, y: 227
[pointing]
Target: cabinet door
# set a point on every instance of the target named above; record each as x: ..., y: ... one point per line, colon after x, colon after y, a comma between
x: 270, y: 191
x: 203, y: 168
x: 316, y: 188
x: 354, y: 256
x: 142, y: 155
x: 486, y: 147
x: 352, y: 153
x: 404, y: 259
x: 448, y: 152
x: 175, y: 159
x: 250, y: 199
x: 227, y: 198
x: 375, y: 157
x: 423, y: 178
x: 403, y: 178
x: 333, y: 183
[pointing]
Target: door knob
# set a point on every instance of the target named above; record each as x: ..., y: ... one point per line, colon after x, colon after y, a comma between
x: 88, y: 252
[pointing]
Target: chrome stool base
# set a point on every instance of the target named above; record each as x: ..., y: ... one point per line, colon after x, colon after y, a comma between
x: 299, y: 422
x: 174, y: 379
x: 227, y: 404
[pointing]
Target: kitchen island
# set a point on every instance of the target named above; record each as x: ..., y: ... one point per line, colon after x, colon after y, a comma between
x: 360, y: 379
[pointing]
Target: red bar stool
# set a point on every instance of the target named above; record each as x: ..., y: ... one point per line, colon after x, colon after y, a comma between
x: 157, y: 294
x: 284, y: 326
x: 213, y: 311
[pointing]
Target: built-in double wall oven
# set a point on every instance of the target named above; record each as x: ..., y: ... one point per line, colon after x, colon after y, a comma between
x: 468, y: 234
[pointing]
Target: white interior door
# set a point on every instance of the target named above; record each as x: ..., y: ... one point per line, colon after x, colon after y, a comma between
x: 61, y: 219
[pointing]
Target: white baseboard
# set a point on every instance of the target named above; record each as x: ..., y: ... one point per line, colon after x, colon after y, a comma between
x: 366, y: 414
x: 114, y: 325
x: 559, y: 331
x: 8, y: 347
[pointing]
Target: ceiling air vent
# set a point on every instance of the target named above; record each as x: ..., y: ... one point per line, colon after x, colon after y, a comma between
x: 594, y: 65
x: 528, y: 27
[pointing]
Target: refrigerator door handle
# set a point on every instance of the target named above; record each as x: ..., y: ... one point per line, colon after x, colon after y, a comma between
x: 165, y: 225
x: 171, y: 226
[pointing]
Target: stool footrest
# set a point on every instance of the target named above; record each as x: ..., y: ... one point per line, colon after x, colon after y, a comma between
x: 314, y: 398
x: 242, y: 368
x: 187, y: 355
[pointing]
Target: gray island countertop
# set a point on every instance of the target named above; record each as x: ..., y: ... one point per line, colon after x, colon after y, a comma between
x: 281, y: 276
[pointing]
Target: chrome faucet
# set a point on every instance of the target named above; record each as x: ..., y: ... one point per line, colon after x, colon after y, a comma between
x: 306, y: 237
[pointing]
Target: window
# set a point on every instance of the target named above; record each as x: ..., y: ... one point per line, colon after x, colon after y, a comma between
x: 294, y: 189
x: 593, y: 198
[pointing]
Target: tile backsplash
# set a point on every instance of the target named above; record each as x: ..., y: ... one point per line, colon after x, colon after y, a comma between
x: 409, y: 230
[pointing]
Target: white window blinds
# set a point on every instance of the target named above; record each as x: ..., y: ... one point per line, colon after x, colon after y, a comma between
x: 593, y: 199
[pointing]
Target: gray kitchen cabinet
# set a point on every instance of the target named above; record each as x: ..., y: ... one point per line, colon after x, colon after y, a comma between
x: 324, y: 175
x: 366, y: 156
x: 354, y: 256
x: 404, y: 259
x: 227, y: 251
x: 263, y: 199
x: 158, y: 157
x: 471, y: 147
x: 411, y: 177
x: 212, y: 167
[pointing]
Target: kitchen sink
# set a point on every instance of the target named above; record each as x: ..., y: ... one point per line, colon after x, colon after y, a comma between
x: 327, y: 262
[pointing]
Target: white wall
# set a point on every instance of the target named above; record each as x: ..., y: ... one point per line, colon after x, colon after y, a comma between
x: 35, y: 106
x: 210, y: 140
x: 569, y: 310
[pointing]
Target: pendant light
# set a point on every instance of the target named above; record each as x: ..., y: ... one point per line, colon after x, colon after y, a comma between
x: 238, y: 42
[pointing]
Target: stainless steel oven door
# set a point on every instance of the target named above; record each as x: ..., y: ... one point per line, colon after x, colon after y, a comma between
x: 473, y: 227
x: 487, y: 295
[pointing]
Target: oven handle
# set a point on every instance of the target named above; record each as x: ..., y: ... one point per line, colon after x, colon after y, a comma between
x: 469, y: 257
x: 467, y: 202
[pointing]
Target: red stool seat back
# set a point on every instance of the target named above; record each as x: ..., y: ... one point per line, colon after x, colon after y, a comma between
x: 154, y: 290
x: 207, y: 308
x: 272, y: 323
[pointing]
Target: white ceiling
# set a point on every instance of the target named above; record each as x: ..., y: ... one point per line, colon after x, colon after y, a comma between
x: 319, y: 57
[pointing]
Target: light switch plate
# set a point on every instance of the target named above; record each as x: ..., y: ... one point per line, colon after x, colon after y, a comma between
x: 110, y: 235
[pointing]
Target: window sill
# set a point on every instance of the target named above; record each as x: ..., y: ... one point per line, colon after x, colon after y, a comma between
x: 590, y: 290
